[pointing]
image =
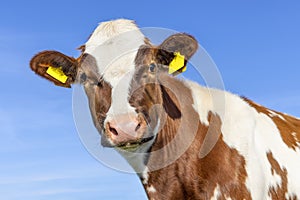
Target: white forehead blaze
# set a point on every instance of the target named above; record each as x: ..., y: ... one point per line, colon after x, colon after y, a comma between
x: 114, y: 45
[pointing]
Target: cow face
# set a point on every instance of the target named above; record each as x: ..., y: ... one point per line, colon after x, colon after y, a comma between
x: 127, y: 94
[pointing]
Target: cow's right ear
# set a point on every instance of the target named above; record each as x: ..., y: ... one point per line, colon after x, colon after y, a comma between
x: 56, y: 67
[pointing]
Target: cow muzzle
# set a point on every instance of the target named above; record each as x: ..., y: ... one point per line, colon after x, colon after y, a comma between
x: 126, y: 131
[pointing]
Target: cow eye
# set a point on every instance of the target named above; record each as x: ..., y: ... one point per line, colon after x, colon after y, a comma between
x: 152, y: 67
x: 83, y: 78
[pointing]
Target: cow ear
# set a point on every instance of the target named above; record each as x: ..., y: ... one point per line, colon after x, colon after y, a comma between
x: 56, y: 67
x: 176, y: 50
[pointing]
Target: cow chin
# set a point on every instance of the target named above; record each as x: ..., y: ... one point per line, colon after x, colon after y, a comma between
x: 134, y: 146
x: 130, y: 145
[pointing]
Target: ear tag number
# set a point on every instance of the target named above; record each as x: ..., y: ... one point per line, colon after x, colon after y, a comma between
x: 177, y: 64
x: 57, y: 73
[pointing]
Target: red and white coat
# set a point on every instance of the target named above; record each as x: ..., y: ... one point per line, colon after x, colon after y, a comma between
x: 227, y: 147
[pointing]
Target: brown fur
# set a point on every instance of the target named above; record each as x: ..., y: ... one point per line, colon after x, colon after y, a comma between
x: 286, y: 126
x: 98, y: 92
x: 190, y: 177
x: 278, y: 193
x: 42, y: 61
x: 82, y: 48
x: 83, y: 70
x: 183, y: 43
x: 157, y: 95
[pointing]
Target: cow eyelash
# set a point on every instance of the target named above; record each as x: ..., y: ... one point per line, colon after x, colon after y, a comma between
x: 99, y: 84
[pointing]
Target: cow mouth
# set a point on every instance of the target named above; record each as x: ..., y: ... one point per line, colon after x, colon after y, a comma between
x: 129, y: 146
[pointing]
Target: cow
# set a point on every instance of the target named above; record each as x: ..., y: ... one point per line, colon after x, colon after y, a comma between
x: 161, y: 123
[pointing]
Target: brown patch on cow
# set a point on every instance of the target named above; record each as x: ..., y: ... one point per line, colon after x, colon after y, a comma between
x: 224, y: 166
x: 289, y: 127
x: 278, y: 193
x: 163, y: 54
x: 145, y: 55
x: 190, y: 177
x: 148, y: 54
x: 97, y: 90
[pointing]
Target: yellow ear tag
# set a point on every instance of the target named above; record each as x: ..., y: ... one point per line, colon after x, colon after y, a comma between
x: 177, y: 64
x: 57, y: 73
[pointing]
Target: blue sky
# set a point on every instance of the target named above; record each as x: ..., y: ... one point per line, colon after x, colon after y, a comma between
x: 255, y: 44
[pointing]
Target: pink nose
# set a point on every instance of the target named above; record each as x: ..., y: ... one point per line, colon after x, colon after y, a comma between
x: 123, y: 129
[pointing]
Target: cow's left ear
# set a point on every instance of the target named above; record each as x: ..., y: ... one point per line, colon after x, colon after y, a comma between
x: 55, y: 67
x: 177, y: 50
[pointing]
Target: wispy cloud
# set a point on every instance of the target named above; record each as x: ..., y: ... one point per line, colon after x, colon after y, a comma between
x: 30, y: 176
x: 67, y: 184
x: 20, y: 122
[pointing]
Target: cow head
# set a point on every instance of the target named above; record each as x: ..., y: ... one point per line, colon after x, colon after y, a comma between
x: 125, y: 79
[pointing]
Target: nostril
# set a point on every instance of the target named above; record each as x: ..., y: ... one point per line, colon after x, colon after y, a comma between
x: 113, y: 131
x: 138, y: 127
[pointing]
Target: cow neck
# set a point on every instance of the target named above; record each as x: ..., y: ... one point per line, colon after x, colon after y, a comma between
x: 189, y: 176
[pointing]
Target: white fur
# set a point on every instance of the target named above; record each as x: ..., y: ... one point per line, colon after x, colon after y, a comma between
x: 114, y: 45
x: 136, y: 159
x: 110, y: 29
x: 253, y: 134
x: 202, y: 106
x: 297, y: 140
x: 216, y: 193
x: 273, y: 114
x: 151, y: 189
x: 145, y: 176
